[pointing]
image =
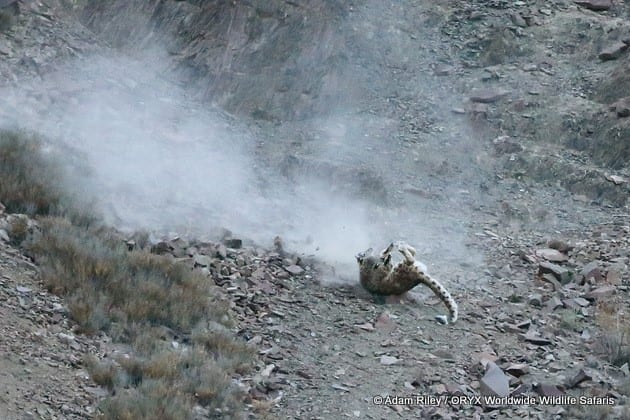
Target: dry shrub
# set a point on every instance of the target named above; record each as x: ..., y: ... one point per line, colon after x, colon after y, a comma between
x: 103, y: 373
x: 144, y: 300
x: 151, y: 400
x: 614, y: 342
x: 33, y: 181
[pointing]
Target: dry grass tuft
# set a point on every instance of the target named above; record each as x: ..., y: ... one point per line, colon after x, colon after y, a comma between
x: 614, y: 342
x: 33, y: 181
x: 147, y: 301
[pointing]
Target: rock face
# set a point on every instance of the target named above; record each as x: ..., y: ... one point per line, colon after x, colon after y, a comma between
x: 268, y: 59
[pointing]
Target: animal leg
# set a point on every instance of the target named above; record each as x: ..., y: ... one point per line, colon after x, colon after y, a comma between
x: 386, y: 254
x: 387, y: 251
x: 408, y: 253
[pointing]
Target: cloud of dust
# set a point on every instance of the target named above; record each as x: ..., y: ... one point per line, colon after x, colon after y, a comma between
x: 161, y: 161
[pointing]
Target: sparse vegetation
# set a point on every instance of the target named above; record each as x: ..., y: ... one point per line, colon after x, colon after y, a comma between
x: 33, y: 183
x: 614, y: 342
x: 134, y: 296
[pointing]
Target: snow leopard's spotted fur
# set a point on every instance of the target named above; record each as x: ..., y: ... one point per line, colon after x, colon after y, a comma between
x: 379, y: 277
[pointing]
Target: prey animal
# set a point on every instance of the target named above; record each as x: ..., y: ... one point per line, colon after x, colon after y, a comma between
x: 380, y: 278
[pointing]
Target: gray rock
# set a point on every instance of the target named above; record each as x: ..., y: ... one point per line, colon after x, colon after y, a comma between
x: 517, y: 369
x: 494, y: 382
x: 518, y: 20
x: 582, y: 302
x: 554, y: 303
x: 547, y: 390
x: 233, y: 243
x: 621, y: 107
x: 294, y: 269
x: 389, y: 360
x: 552, y: 255
x: 597, y: 5
x: 600, y: 293
x: 534, y: 338
x: 202, y: 260
x: 535, y: 299
x: 550, y: 278
x: 580, y: 377
x: 591, y: 271
x: 613, y: 51
x: 221, y: 251
x: 487, y: 96
x: 560, y: 273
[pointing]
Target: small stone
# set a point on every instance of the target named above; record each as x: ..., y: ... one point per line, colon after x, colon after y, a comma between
x: 552, y: 255
x: 494, y: 382
x: 554, y: 303
x: 388, y: 360
x: 518, y: 20
x: 561, y: 273
x: 616, y: 179
x: 295, y: 269
x: 600, y: 293
x: 535, y: 299
x: 339, y: 387
x: 221, y: 251
x: 560, y: 245
x: 591, y: 271
x: 534, y: 338
x: 580, y: 377
x: 66, y: 338
x: 366, y: 327
x: 4, y: 236
x: 582, y: 302
x: 621, y: 107
x: 613, y: 276
x: 551, y: 279
x: 487, y: 96
x: 201, y: 260
x: 517, y: 369
x: 384, y: 321
x: 233, y: 243
x: 22, y: 289
x: 443, y: 70
x: 613, y: 52
x: 547, y: 390
x: 161, y: 248
x: 597, y: 5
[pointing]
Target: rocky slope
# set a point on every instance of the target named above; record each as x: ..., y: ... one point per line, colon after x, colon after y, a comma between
x: 506, y: 121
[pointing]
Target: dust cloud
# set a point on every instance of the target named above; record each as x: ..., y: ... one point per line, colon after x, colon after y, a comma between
x: 160, y: 161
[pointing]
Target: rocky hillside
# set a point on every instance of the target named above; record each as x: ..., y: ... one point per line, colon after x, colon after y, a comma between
x: 494, y: 136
